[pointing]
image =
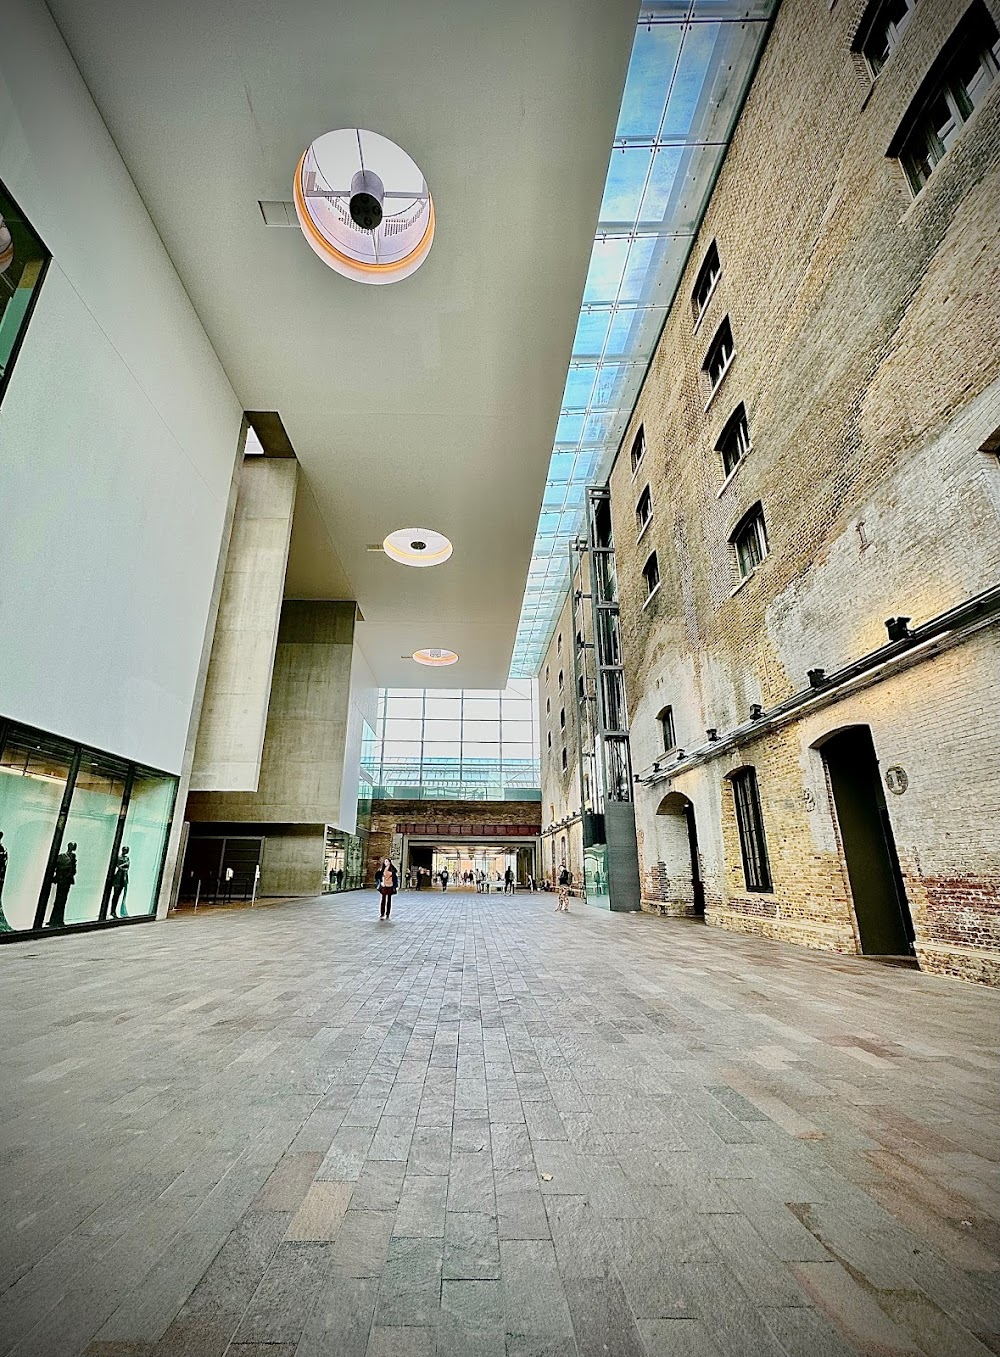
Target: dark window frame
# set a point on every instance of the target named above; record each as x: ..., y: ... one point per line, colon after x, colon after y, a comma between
x: 638, y: 449
x: 750, y: 826
x: 665, y: 720
x: 645, y: 501
x: 749, y: 540
x: 734, y: 442
x: 919, y: 145
x: 720, y: 355
x: 565, y: 759
x: 654, y: 575
x: 706, y: 281
x: 879, y: 35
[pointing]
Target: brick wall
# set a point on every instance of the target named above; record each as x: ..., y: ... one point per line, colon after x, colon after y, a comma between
x: 449, y: 819
x: 867, y: 353
x: 559, y: 730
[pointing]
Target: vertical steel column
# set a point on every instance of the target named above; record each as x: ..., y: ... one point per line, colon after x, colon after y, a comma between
x: 624, y: 888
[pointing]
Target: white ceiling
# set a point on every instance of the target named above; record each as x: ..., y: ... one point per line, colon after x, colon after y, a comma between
x: 428, y: 403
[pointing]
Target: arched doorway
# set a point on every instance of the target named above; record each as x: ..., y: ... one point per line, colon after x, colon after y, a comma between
x: 880, y: 905
x: 677, y: 839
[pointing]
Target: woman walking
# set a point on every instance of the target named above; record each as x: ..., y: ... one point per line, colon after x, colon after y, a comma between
x: 387, y: 881
x: 565, y: 879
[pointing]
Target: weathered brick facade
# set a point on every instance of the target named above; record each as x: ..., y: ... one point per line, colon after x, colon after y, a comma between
x: 559, y: 731
x: 867, y: 353
x: 449, y: 819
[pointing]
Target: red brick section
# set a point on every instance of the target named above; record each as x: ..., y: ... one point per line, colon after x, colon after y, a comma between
x: 449, y: 820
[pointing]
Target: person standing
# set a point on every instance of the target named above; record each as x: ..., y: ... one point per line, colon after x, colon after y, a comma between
x: 4, y: 925
x: 63, y: 874
x: 387, y: 881
x: 119, y: 884
x: 444, y: 878
x: 564, y: 882
x: 508, y: 881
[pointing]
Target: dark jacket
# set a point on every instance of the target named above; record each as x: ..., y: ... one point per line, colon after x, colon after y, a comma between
x: 64, y: 871
x: 378, y: 877
x: 565, y: 877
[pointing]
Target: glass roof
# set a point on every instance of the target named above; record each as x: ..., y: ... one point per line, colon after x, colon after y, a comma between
x: 688, y: 74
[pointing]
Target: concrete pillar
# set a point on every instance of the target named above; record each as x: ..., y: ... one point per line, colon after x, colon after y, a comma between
x: 302, y: 764
x: 234, y: 713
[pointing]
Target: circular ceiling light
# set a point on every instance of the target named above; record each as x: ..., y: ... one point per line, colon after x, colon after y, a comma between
x: 364, y: 206
x: 417, y: 546
x: 435, y: 657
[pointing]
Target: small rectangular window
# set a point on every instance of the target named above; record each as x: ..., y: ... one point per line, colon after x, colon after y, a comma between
x: 750, y: 822
x: 749, y: 538
x: 643, y: 509
x: 957, y: 84
x: 720, y: 354
x: 708, y: 276
x: 638, y: 448
x: 560, y: 678
x: 879, y: 37
x: 564, y: 758
x: 651, y: 574
x: 562, y: 717
x: 666, y: 719
x: 734, y: 441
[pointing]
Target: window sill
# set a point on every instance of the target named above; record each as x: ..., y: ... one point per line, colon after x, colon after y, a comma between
x: 649, y: 598
x: 747, y: 578
x: 733, y: 474
x: 644, y: 529
x: 921, y: 194
x: 708, y: 300
x: 719, y: 384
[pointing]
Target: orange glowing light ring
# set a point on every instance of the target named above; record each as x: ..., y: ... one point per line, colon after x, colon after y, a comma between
x: 323, y: 246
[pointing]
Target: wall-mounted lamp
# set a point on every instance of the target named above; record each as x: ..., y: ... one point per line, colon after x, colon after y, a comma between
x: 816, y: 677
x: 756, y: 711
x: 712, y: 733
x: 898, y: 628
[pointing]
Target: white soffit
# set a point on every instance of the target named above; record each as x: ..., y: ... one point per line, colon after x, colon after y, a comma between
x: 432, y: 401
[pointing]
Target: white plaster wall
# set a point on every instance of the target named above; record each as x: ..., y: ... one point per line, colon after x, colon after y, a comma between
x: 118, y: 435
x: 363, y: 705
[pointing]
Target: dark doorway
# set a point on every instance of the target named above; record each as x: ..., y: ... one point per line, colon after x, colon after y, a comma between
x: 677, y: 836
x: 698, y: 886
x: 218, y: 870
x: 880, y: 904
x: 421, y: 856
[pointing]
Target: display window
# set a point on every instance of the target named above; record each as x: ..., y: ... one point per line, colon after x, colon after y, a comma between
x: 82, y: 834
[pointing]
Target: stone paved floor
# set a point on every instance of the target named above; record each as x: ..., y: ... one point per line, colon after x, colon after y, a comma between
x: 487, y: 1129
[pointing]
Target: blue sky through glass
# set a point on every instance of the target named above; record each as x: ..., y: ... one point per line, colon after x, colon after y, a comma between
x: 690, y: 65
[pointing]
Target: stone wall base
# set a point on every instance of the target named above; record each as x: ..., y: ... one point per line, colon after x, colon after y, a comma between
x: 671, y: 909
x: 964, y: 963
x: 820, y: 936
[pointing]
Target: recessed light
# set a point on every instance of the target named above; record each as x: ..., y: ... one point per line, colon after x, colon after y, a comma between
x: 417, y: 546
x: 435, y: 657
x: 363, y: 206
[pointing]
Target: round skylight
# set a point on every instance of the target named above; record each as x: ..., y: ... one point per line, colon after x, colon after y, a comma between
x: 435, y: 657
x: 364, y: 206
x: 417, y: 546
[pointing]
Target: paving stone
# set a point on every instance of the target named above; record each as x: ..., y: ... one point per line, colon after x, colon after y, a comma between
x: 471, y: 1248
x: 235, y: 1134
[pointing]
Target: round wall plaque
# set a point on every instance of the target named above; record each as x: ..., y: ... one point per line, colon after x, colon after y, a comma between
x: 896, y: 779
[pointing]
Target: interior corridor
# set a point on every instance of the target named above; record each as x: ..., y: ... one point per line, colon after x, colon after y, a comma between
x: 485, y: 1128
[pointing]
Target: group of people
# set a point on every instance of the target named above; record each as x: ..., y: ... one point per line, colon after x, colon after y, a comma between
x: 387, y: 884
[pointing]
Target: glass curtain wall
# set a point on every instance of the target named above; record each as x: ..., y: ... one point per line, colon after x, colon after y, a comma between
x: 462, y: 744
x: 82, y: 834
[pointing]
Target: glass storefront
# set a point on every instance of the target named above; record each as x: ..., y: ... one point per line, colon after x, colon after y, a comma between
x: 345, y: 855
x: 23, y: 260
x: 82, y: 834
